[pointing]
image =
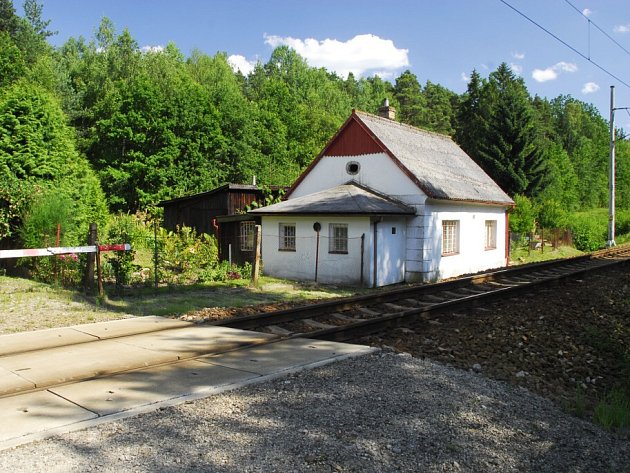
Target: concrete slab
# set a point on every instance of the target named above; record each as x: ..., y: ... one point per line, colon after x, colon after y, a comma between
x: 11, y: 383
x: 41, y: 339
x: 106, y: 396
x: 134, y: 326
x: 197, y: 340
x: 78, y: 362
x: 286, y: 354
x: 37, y: 412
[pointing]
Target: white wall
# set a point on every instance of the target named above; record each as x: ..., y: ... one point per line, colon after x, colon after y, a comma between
x: 377, y: 171
x: 472, y: 256
x: 300, y: 264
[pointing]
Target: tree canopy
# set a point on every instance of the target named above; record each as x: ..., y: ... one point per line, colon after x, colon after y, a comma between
x: 110, y: 122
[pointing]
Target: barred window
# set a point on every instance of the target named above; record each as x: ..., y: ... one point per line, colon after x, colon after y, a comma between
x: 338, y: 238
x: 450, y: 237
x: 287, y: 237
x: 491, y: 235
x: 247, y: 235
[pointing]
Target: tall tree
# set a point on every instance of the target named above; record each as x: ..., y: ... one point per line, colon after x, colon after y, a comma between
x: 439, y: 115
x: 411, y: 101
x: 9, y: 21
x: 509, y: 150
x: 470, y: 118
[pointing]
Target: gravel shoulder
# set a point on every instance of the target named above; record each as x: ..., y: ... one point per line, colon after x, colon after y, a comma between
x: 394, y: 412
x: 384, y: 412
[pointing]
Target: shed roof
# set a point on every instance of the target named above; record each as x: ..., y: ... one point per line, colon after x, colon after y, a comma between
x: 438, y: 166
x: 224, y: 188
x: 346, y: 199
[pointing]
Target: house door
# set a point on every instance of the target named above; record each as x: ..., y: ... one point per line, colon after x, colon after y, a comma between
x: 391, y: 247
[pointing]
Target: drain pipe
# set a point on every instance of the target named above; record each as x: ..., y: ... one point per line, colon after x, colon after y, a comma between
x: 375, y: 268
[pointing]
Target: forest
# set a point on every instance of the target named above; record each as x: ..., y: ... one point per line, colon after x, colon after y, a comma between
x: 98, y: 126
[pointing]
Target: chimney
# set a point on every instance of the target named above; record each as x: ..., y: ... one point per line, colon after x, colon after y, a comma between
x: 386, y: 111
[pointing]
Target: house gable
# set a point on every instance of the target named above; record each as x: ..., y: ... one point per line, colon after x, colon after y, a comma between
x: 355, y: 139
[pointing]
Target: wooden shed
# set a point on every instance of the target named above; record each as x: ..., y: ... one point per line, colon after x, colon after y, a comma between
x: 220, y: 212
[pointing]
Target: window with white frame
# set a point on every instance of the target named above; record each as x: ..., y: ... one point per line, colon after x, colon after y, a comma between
x: 247, y: 235
x: 491, y: 235
x: 338, y: 238
x: 287, y: 237
x: 450, y: 237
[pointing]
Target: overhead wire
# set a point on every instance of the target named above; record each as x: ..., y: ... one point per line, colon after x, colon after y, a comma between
x: 601, y: 68
x: 591, y: 22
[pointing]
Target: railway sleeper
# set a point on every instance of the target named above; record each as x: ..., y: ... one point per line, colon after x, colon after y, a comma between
x: 345, y: 318
x: 317, y: 325
x: 369, y: 312
x: 395, y: 307
x: 276, y: 330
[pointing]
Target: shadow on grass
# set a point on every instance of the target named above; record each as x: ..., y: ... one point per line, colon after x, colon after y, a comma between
x: 177, y: 300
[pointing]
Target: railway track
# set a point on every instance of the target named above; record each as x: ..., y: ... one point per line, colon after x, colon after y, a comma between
x: 354, y: 317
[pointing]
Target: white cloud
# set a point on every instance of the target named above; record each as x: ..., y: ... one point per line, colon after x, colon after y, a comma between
x: 359, y: 55
x: 590, y: 88
x: 622, y: 28
x: 152, y: 49
x: 587, y: 12
x: 516, y: 68
x: 551, y: 73
x: 240, y: 63
x: 519, y: 56
x: 465, y: 77
x: 566, y: 66
x: 543, y: 75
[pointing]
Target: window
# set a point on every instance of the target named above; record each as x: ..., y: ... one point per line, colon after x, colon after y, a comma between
x: 352, y: 168
x: 247, y: 236
x: 450, y: 237
x: 287, y: 237
x: 338, y: 238
x: 491, y: 235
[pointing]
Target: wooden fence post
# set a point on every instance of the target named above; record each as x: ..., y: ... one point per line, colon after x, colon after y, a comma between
x: 256, y: 265
x: 88, y: 282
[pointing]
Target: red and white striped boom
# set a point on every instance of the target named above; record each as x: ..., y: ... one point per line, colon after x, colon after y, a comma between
x: 67, y: 250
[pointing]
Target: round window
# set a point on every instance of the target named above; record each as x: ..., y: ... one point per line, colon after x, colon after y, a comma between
x: 353, y: 167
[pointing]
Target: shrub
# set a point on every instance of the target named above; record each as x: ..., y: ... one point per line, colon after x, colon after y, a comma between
x: 589, y: 234
x: 123, y: 228
x: 523, y: 215
x: 622, y: 222
x: 185, y: 256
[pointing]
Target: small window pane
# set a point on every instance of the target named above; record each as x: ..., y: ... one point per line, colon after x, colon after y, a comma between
x: 287, y: 237
x: 491, y: 235
x: 338, y: 238
x: 247, y: 236
x: 450, y: 237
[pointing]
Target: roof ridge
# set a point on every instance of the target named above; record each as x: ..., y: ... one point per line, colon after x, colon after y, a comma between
x: 404, y: 125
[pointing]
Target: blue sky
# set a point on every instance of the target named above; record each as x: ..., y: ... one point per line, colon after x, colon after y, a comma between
x: 438, y: 40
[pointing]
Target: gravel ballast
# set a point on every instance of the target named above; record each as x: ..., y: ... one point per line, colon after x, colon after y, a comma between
x: 382, y: 412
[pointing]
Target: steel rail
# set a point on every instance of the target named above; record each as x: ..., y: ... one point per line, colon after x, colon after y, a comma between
x: 505, y: 276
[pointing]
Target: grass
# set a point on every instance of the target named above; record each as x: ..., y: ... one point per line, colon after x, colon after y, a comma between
x: 613, y: 412
x: 29, y: 305
x: 519, y: 254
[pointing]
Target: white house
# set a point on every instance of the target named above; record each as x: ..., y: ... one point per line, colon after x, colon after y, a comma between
x: 386, y: 203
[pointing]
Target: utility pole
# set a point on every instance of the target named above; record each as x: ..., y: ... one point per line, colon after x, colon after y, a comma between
x: 611, y: 171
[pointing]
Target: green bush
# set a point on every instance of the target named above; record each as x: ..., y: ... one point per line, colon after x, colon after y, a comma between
x: 622, y: 222
x: 185, y: 256
x: 613, y: 412
x: 589, y: 233
x: 123, y: 228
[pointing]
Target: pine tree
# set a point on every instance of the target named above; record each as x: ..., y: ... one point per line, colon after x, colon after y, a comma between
x: 509, y: 150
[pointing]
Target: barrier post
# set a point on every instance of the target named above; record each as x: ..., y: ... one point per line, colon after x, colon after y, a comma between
x: 256, y: 265
x: 88, y: 282
x: 99, y: 273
